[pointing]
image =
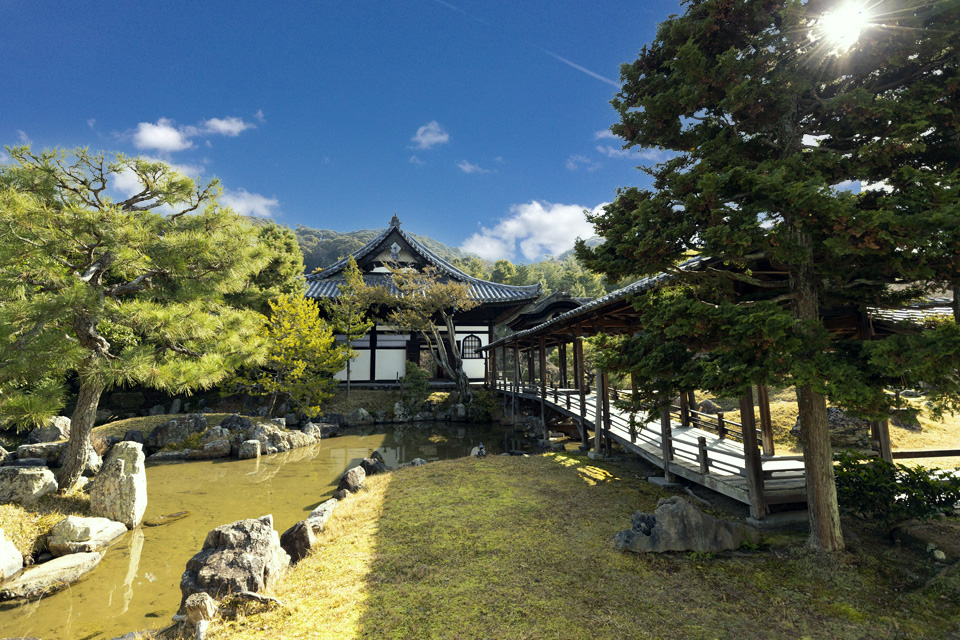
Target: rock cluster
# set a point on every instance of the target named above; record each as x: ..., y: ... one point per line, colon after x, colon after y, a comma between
x: 676, y: 525
x: 845, y: 431
x: 299, y: 539
x: 119, y: 492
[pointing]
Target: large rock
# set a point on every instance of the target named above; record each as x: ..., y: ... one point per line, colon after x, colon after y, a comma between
x: 119, y: 491
x: 298, y: 540
x: 211, y: 450
x: 249, y: 449
x: 74, y: 534
x: 676, y: 525
x: 352, y: 480
x: 318, y: 517
x: 236, y: 422
x: 11, y: 561
x: 175, y: 431
x: 709, y: 406
x: 168, y: 456
x: 49, y: 451
x: 400, y: 413
x: 845, y: 431
x: 43, y: 579
x: 241, y: 556
x: 26, y: 485
x: 357, y: 417
x: 4, y: 456
x: 458, y: 412
x: 272, y: 436
x: 372, y: 466
x: 56, y: 428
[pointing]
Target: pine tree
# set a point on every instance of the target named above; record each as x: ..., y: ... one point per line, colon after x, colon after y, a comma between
x: 115, y: 292
x: 348, y: 311
x: 763, y: 117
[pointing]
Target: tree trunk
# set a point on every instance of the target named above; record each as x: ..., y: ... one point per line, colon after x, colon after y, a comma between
x: 348, y: 379
x: 81, y: 426
x: 460, y: 376
x: 825, y: 531
x: 956, y: 305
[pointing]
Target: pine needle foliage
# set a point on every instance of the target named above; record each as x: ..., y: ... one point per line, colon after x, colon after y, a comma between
x: 111, y: 291
x: 347, y: 312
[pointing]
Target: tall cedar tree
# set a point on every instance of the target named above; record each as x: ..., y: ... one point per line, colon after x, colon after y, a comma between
x: 425, y: 302
x: 347, y: 313
x: 302, y: 356
x: 115, y: 292
x: 762, y: 120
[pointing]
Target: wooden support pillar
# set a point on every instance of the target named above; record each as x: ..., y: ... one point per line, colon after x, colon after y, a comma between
x: 516, y: 377
x: 531, y: 372
x: 598, y: 414
x: 721, y: 426
x: 751, y: 452
x: 562, y: 354
x: 543, y: 387
x: 606, y: 414
x: 666, y: 446
x: 702, y: 455
x: 881, y: 439
x: 684, y: 409
x: 766, y: 423
x: 487, y: 367
x: 578, y: 370
x: 633, y: 414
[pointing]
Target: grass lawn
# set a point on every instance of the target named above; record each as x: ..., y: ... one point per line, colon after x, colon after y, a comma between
x: 510, y: 547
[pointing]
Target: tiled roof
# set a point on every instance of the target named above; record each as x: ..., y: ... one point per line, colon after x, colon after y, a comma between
x: 326, y: 283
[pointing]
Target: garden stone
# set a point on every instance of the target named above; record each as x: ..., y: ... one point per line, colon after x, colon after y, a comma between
x: 168, y: 456
x: 676, y: 525
x: 330, y: 430
x: 291, y: 421
x: 359, y: 416
x: 708, y: 406
x: 318, y: 517
x: 44, y: 579
x: 280, y: 422
x: 4, y: 454
x: 372, y: 466
x: 423, y: 416
x: 74, y: 534
x: 400, y: 413
x: 418, y: 462
x: 249, y: 449
x: 215, y: 433
x: 175, y: 431
x: 14, y: 461
x: 443, y: 416
x: 910, y: 393
x: 298, y: 540
x: 272, y: 436
x: 26, y: 485
x: 134, y: 435
x: 175, y: 405
x: 11, y: 561
x: 380, y: 417
x: 56, y: 428
x: 119, y: 491
x: 458, y: 412
x: 127, y: 401
x: 236, y: 422
x: 211, y: 450
x: 341, y: 494
x: 845, y: 431
x: 241, y: 556
x: 337, y: 419
x: 91, y: 465
x: 352, y: 480
x: 48, y: 451
x: 157, y: 410
x: 200, y: 607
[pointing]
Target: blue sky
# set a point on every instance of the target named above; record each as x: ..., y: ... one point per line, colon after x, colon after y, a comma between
x: 478, y: 123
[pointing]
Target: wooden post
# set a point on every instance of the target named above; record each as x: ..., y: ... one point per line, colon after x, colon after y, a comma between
x: 562, y: 353
x: 721, y: 426
x: 516, y: 377
x: 606, y: 413
x: 531, y: 371
x: 684, y: 409
x: 751, y: 452
x: 487, y: 365
x: 598, y: 415
x: 666, y: 446
x: 702, y: 455
x: 543, y: 387
x: 766, y: 424
x: 883, y: 433
x: 692, y: 399
x: 633, y: 415
x: 578, y: 368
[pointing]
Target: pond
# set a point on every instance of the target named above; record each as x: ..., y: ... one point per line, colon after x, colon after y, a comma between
x: 137, y: 585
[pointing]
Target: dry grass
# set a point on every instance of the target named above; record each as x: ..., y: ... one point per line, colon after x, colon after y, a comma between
x: 508, y: 547
x: 146, y: 424
x: 28, y: 527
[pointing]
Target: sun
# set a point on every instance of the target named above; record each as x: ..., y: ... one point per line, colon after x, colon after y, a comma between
x: 843, y: 25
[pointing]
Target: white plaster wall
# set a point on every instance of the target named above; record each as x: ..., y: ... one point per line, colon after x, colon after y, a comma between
x: 359, y: 368
x: 390, y: 364
x: 473, y: 368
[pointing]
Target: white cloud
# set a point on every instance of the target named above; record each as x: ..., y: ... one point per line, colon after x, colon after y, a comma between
x: 610, y: 152
x: 604, y: 134
x: 848, y: 185
x: 468, y: 167
x: 430, y: 135
x: 651, y: 154
x: 577, y: 161
x: 259, y: 116
x: 415, y: 160
x: 250, y: 204
x: 231, y: 127
x: 162, y: 136
x: 91, y: 122
x: 23, y: 137
x: 4, y: 158
x: 538, y: 228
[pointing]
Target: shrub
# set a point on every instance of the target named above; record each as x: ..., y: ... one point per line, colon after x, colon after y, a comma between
x: 875, y: 488
x: 415, y: 387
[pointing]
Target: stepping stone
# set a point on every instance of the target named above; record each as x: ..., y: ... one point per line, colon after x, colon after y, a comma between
x: 74, y: 534
x: 50, y: 576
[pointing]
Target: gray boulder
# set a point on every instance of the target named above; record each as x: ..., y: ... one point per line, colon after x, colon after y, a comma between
x: 11, y: 561
x: 358, y: 416
x: 458, y: 412
x: 337, y: 419
x: 134, y: 435
x: 423, y: 416
x: 236, y: 422
x: 298, y: 540
x: 211, y: 450
x: 249, y: 449
x: 119, y: 492
x: 291, y: 421
x: 417, y: 462
x: 43, y: 579
x: 48, y: 451
x: 168, y: 456
x: 157, y: 410
x: 845, y: 431
x: 400, y: 413
x: 74, y: 534
x: 241, y: 556
x: 26, y: 485
x: 4, y: 454
x: 318, y: 517
x: 14, y: 461
x: 352, y: 480
x: 341, y: 494
x: 176, y: 405
x: 329, y: 430
x: 56, y: 428
x: 372, y: 466
x: 709, y: 406
x: 215, y: 433
x: 272, y: 436
x: 175, y: 431
x: 676, y: 525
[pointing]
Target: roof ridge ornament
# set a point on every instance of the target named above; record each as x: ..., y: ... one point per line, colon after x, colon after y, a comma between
x: 395, y: 221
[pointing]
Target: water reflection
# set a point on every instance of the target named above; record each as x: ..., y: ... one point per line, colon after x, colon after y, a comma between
x: 137, y: 585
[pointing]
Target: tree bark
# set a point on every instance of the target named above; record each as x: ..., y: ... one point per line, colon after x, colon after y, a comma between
x: 348, y: 379
x: 825, y: 531
x: 956, y: 305
x: 81, y: 426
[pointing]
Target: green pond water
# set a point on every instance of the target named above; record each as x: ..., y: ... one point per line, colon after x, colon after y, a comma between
x: 137, y: 585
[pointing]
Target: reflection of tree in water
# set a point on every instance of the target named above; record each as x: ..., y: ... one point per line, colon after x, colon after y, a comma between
x: 438, y: 441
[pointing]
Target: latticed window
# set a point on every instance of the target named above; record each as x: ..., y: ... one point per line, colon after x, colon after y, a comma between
x: 470, y: 347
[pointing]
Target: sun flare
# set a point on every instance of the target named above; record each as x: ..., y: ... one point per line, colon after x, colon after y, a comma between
x: 843, y: 25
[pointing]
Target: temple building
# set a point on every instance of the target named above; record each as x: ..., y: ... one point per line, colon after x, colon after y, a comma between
x: 385, y: 351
